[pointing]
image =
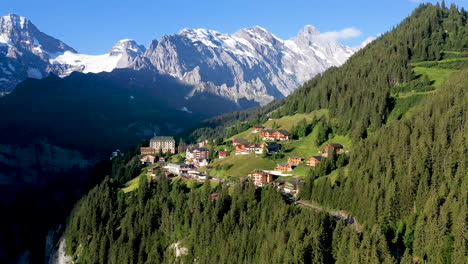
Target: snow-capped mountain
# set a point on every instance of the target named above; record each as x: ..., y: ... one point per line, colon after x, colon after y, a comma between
x: 24, y: 51
x: 122, y: 55
x: 251, y: 65
x: 27, y: 52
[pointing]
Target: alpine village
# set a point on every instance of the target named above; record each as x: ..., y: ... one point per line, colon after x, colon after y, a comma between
x: 367, y: 162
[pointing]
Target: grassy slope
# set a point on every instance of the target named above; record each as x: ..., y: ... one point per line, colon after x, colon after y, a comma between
x: 241, y: 165
x: 438, y: 74
x: 286, y: 123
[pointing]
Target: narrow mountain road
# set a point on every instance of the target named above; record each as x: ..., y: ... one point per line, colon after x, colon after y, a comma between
x: 337, y: 214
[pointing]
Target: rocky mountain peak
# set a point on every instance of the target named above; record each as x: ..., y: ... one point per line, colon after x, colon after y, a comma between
x: 308, y: 30
x: 127, y: 46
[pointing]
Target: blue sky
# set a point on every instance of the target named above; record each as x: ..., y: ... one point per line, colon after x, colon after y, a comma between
x: 92, y: 27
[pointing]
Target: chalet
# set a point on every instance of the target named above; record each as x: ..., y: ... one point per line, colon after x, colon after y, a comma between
x: 197, y: 154
x: 332, y: 147
x: 237, y: 141
x: 294, y: 160
x: 280, y: 134
x: 148, y: 160
x: 241, y: 149
x: 292, y: 187
x: 284, y: 166
x: 257, y: 128
x: 314, y: 160
x: 254, y: 148
x: 260, y: 178
x: 271, y: 147
x: 223, y: 154
x: 267, y: 134
x: 247, y: 148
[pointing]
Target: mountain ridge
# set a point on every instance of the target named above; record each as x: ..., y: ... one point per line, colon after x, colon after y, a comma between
x: 251, y: 64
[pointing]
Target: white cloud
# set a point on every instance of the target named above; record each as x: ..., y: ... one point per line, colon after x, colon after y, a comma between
x: 342, y: 34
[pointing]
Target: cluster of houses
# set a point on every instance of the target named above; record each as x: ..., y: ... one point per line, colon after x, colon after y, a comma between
x: 294, y: 161
x: 197, y: 156
x: 262, y: 178
x: 269, y: 134
x: 242, y: 147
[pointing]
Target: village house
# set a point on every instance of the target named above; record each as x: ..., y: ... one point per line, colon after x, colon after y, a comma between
x: 202, y: 143
x: 197, y: 154
x: 271, y: 147
x: 260, y: 178
x: 223, y: 154
x: 284, y: 166
x: 294, y: 160
x: 314, y: 160
x: 247, y: 148
x: 198, y: 163
x: 148, y: 160
x: 332, y: 147
x: 279, y: 134
x: 257, y: 128
x: 237, y: 141
x: 177, y: 168
x: 267, y: 134
x: 292, y: 187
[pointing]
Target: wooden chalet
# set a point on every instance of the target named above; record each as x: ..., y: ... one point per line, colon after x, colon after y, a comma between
x: 284, y: 166
x: 237, y: 141
x: 332, y: 147
x: 294, y: 160
x: 260, y: 178
x: 314, y: 160
x: 268, y: 134
x: 257, y: 128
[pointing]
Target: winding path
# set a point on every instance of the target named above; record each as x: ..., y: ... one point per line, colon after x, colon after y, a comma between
x: 337, y: 214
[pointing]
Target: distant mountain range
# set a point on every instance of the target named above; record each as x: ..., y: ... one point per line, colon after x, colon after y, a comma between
x: 251, y: 64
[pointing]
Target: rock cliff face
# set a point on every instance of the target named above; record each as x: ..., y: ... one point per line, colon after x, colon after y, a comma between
x: 250, y: 65
x: 32, y: 160
x: 25, y: 51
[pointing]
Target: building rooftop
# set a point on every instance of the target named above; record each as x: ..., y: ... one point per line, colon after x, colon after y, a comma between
x: 163, y: 138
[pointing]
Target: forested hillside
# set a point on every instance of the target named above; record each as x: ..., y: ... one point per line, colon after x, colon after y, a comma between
x: 402, y: 100
x: 242, y: 225
x: 411, y: 178
x: 358, y: 94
